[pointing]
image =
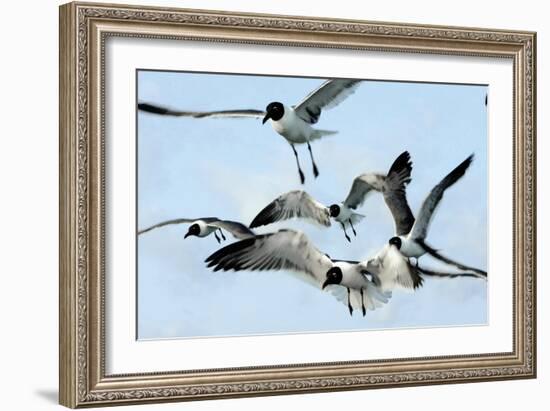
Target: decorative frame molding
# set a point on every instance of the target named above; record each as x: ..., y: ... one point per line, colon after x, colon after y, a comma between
x: 83, y: 30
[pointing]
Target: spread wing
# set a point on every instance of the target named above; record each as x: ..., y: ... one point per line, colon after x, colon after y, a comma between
x: 237, y: 229
x: 292, y: 204
x: 361, y: 186
x: 392, y: 186
x: 167, y: 222
x: 395, y: 196
x: 291, y: 250
x: 424, y: 217
x: 283, y: 250
x: 436, y: 254
x: 328, y: 95
x: 442, y: 274
x: 392, y: 270
x: 164, y: 111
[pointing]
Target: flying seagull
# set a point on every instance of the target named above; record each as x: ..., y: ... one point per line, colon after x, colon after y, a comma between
x: 410, y: 239
x: 294, y: 123
x: 203, y: 227
x: 293, y: 251
x: 300, y: 204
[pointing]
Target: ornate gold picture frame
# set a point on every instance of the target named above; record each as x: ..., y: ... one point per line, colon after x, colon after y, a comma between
x: 84, y: 30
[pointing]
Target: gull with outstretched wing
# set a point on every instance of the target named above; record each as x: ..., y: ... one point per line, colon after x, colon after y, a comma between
x: 299, y: 204
x: 289, y: 250
x: 412, y: 243
x: 203, y: 227
x: 294, y: 123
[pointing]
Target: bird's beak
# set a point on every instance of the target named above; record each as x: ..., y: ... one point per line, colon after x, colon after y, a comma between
x: 267, y: 117
x: 186, y: 235
x: 325, y: 284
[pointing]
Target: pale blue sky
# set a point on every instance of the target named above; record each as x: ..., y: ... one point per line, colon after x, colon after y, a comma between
x: 232, y: 168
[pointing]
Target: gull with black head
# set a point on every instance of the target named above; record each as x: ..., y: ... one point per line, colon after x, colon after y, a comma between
x: 411, y: 233
x: 294, y: 123
x: 203, y: 227
x: 300, y: 204
x: 289, y: 250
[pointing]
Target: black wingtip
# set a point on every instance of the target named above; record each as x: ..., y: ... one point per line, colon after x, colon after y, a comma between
x: 149, y: 108
x: 418, y: 281
x: 264, y: 217
x: 466, y: 163
x: 256, y: 222
x: 402, y: 162
x: 435, y: 253
x: 220, y: 260
x: 462, y: 167
x: 458, y: 172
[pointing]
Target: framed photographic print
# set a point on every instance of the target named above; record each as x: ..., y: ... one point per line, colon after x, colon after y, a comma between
x: 258, y: 204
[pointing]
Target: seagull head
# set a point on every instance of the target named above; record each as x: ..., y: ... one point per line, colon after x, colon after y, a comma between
x: 333, y: 276
x: 396, y: 241
x: 334, y: 210
x: 194, y: 229
x: 274, y: 111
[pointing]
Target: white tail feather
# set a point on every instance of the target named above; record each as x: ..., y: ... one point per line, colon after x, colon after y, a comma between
x: 317, y: 134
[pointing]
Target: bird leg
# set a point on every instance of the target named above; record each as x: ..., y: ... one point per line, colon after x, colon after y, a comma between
x: 346, y: 234
x: 221, y: 233
x: 315, y: 170
x: 217, y: 238
x: 353, y: 229
x: 363, y: 303
x: 349, y: 303
x: 302, y: 177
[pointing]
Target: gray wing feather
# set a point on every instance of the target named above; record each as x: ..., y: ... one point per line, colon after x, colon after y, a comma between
x: 290, y: 250
x: 395, y: 196
x: 165, y: 111
x: 392, y: 186
x: 282, y: 250
x: 290, y: 205
x: 328, y: 95
x: 361, y: 186
x: 237, y: 229
x: 424, y: 217
x: 167, y: 222
x: 436, y: 254
x: 443, y: 274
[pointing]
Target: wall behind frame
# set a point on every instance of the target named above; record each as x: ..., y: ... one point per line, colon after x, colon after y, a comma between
x: 28, y: 210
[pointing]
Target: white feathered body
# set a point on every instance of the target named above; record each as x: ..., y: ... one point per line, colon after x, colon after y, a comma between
x: 347, y: 214
x: 296, y: 130
x: 410, y: 248
x: 352, y: 278
x: 391, y: 269
x: 205, y: 229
